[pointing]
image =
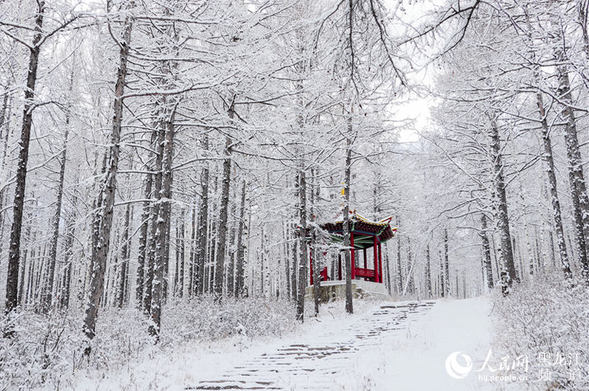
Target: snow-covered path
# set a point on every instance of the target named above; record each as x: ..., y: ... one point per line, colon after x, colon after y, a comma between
x: 395, y: 346
x: 322, y: 360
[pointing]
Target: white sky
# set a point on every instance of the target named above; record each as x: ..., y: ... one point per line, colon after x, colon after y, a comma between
x: 416, y: 107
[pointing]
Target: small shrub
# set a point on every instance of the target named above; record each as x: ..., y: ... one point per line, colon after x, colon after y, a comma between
x: 547, y: 321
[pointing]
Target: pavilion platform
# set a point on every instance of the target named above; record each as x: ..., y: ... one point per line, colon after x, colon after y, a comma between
x: 335, y: 290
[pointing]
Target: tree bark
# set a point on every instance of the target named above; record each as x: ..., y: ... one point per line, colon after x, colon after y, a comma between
x: 346, y: 222
x: 576, y: 174
x: 488, y: 268
x: 124, y: 258
x: 442, y: 276
x: 232, y: 252
x: 262, y: 257
x: 446, y: 264
x: 107, y: 194
x: 410, y: 288
x: 154, y: 213
x: 4, y: 133
x: 552, y: 184
x: 203, y: 225
x: 317, y: 264
x: 162, y: 222
x: 192, y: 267
x: 303, y: 251
x: 239, y: 272
x: 23, y: 158
x: 181, y: 249
x: 295, y: 254
x: 143, y: 231
x: 508, y: 274
x: 223, y: 212
x: 32, y: 266
x: 23, y: 263
x: 287, y: 257
x: 67, y: 258
x: 428, y: 273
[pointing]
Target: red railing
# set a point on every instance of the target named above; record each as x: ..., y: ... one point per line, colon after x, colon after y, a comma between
x: 368, y: 273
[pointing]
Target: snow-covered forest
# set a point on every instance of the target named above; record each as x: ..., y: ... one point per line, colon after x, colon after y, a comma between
x: 167, y: 169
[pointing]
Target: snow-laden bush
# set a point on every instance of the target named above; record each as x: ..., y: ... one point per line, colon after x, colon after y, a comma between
x: 207, y: 319
x: 46, y: 351
x: 546, y: 321
x: 35, y: 351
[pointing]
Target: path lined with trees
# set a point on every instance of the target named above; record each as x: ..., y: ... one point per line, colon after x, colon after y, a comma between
x: 155, y: 153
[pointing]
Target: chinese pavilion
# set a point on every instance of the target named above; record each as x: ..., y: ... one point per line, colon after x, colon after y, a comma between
x: 364, y: 235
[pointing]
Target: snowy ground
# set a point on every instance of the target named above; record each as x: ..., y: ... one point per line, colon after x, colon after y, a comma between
x: 383, y: 346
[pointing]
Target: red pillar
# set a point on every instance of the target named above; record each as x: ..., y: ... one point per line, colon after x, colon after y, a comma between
x: 353, y: 255
x: 375, y: 260
x: 311, y: 264
x: 379, y: 262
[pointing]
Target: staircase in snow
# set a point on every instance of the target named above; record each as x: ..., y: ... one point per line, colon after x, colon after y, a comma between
x: 315, y: 366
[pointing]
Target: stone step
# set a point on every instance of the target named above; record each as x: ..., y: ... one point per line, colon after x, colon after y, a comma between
x: 304, y: 361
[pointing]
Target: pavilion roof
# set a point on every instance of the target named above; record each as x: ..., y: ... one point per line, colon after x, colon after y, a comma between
x: 364, y: 230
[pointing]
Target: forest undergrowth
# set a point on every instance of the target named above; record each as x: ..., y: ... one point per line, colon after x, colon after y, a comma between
x: 541, y: 330
x: 47, y: 351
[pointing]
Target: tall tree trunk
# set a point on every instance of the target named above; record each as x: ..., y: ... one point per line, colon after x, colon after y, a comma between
x: 508, y: 274
x: 4, y: 133
x: 23, y: 159
x: 295, y: 254
x: 223, y: 212
x: 23, y: 263
x: 388, y: 270
x: 287, y: 257
x: 192, y: 268
x: 202, y: 246
x: 552, y: 184
x: 549, y: 160
x: 442, y: 276
x: 232, y: 250
x: 152, y: 252
x: 67, y: 258
x: 446, y: 264
x: 144, y: 230
x: 576, y: 175
x: 107, y: 194
x: 124, y: 258
x: 182, y: 253
x: 410, y: 287
x: 162, y: 223
x: 346, y: 222
x: 32, y: 266
x: 263, y: 257
x: 211, y: 251
x: 303, y: 251
x: 428, y: 273
x: 488, y: 268
x: 317, y: 264
x: 48, y: 288
x: 177, y: 255
x: 239, y: 272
